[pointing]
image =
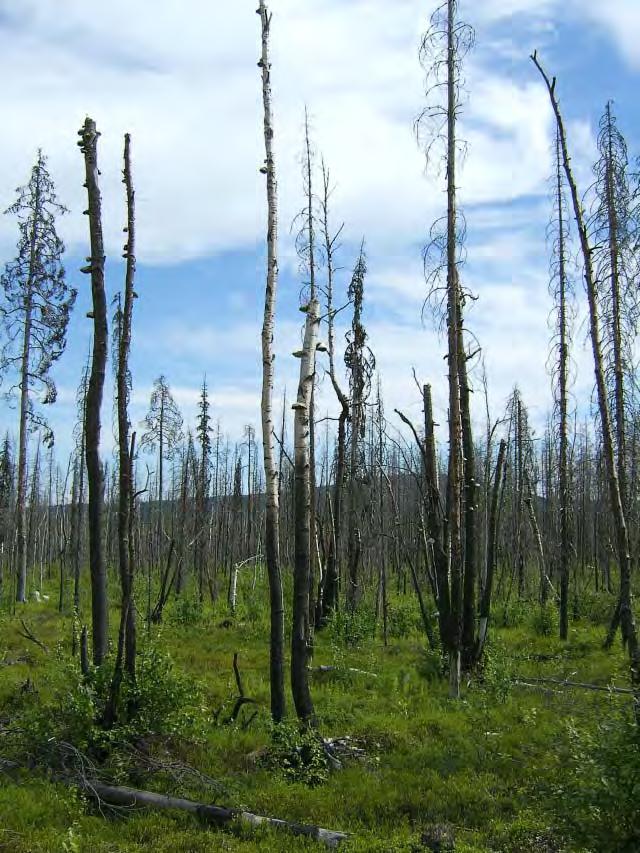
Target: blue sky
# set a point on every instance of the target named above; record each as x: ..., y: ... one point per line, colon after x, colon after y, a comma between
x: 181, y: 76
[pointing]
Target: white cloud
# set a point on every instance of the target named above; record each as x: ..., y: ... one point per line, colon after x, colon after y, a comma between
x: 181, y: 76
x: 621, y: 19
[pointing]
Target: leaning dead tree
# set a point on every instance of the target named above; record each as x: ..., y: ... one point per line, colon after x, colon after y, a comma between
x: 272, y: 513
x: 95, y: 267
x: 627, y: 620
x: 303, y: 517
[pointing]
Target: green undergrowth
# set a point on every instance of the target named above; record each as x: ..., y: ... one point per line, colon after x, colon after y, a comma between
x: 508, y: 768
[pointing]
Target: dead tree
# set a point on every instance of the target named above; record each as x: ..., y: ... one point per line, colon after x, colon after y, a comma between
x: 272, y: 522
x: 627, y: 620
x: 302, y: 519
x: 614, y: 240
x: 126, y: 653
x: 95, y: 266
x: 561, y: 292
x: 487, y: 589
x: 360, y: 363
x: 443, y: 49
x: 330, y: 591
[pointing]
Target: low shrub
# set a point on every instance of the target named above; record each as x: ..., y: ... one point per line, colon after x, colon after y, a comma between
x: 597, y: 800
x: 544, y: 620
x: 300, y: 755
x: 352, y: 627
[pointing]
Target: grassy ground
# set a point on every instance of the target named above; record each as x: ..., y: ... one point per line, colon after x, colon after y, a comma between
x: 497, y: 769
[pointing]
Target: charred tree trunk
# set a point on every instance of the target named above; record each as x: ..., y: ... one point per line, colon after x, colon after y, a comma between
x: 302, y: 524
x: 100, y: 614
x: 492, y: 533
x: 627, y: 620
x: 126, y: 654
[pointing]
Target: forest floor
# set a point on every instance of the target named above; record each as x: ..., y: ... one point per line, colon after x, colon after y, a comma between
x: 507, y: 768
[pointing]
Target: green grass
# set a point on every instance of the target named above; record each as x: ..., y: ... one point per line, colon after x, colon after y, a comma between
x: 489, y: 766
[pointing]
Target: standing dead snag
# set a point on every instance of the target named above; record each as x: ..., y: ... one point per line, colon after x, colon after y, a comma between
x: 627, y: 620
x: 561, y: 288
x: 302, y: 516
x: 614, y: 251
x: 126, y: 654
x: 454, y: 321
x: 100, y: 615
x: 332, y: 575
x: 492, y: 543
x: 442, y: 51
x: 360, y: 363
x: 272, y: 522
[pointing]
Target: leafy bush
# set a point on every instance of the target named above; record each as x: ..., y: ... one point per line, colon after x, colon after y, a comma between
x: 166, y: 700
x: 161, y: 702
x: 544, y: 620
x: 401, y: 620
x: 497, y: 675
x: 510, y: 614
x: 352, y: 627
x: 300, y: 755
x: 594, y: 607
x: 186, y: 610
x: 431, y: 665
x: 597, y: 800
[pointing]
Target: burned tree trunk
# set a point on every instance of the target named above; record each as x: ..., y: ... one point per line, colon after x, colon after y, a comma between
x: 126, y: 654
x: 302, y: 519
x: 100, y: 615
x: 331, y: 587
x: 562, y: 292
x: 627, y: 620
x: 492, y: 534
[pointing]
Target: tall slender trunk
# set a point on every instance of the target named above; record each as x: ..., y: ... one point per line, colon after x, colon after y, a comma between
x: 470, y: 508
x: 160, y: 479
x: 330, y: 599
x: 487, y: 591
x: 435, y: 521
x: 455, y: 426
x: 125, y: 451
x: 21, y: 490
x: 616, y: 321
x: 272, y: 534
x: 302, y: 526
x: 21, y: 484
x: 100, y: 614
x: 563, y: 382
x: 627, y: 620
x: 311, y: 233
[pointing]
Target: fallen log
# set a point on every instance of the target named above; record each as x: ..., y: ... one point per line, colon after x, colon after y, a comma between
x: 324, y: 669
x: 563, y: 682
x: 212, y: 815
